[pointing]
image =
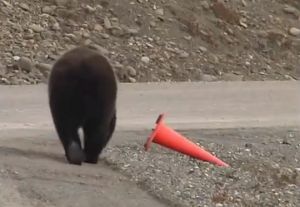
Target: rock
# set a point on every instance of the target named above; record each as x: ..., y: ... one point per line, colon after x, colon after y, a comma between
x: 232, y: 77
x: 56, y: 26
x: 145, y: 59
x: 208, y: 78
x: 85, y: 34
x: 2, y: 69
x: 24, y: 6
x: 249, y: 145
x: 286, y: 141
x: 131, y: 31
x: 16, y: 58
x: 15, y: 81
x: 98, y: 28
x: 274, y: 36
x: 43, y: 68
x: 183, y: 54
x: 287, y: 175
x: 121, y: 72
x: 52, y: 57
x: 131, y: 71
x: 290, y: 135
x: 152, y: 24
x: 72, y: 37
x: 87, y: 42
x: 294, y: 31
x: 188, y: 37
x: 6, y: 3
x: 48, y: 34
x: 203, y: 49
x: 61, y: 3
x: 90, y: 8
x: 36, y: 28
x: 244, y: 3
x: 132, y: 80
x: 48, y: 9
x: 104, y: 35
x: 100, y: 49
x: 28, y: 36
x: 117, y: 31
x: 159, y: 12
x: 214, y: 58
x: 25, y: 64
x: 291, y: 10
x: 205, y: 5
x: 107, y: 23
x: 224, y: 13
x: 243, y: 23
x: 114, y: 21
x: 149, y: 45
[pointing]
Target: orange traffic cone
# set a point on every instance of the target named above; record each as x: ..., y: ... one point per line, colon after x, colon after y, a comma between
x: 167, y: 137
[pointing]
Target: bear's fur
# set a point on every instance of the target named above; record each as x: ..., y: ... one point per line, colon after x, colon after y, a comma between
x: 82, y: 93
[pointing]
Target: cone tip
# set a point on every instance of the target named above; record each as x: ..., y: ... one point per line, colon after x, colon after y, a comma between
x: 224, y: 165
x: 220, y: 163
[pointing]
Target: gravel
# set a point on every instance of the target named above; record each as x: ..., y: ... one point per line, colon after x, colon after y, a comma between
x: 162, y: 40
x: 264, y: 169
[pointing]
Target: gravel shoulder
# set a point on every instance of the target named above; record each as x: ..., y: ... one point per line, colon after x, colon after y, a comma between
x: 265, y: 169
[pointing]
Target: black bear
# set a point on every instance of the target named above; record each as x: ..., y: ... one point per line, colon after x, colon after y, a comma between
x: 82, y: 94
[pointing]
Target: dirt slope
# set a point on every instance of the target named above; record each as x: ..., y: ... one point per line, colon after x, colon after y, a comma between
x: 155, y: 40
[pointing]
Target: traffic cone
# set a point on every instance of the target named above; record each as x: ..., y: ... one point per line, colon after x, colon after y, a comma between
x: 167, y: 137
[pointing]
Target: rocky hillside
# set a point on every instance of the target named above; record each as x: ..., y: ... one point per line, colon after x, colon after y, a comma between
x: 154, y: 40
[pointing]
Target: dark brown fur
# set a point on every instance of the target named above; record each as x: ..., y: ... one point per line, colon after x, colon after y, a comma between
x: 82, y: 93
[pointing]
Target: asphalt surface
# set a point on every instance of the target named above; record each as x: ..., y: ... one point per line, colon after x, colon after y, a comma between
x: 187, y: 105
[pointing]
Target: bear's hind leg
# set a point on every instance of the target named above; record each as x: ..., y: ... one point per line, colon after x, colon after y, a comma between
x: 95, y: 139
x: 69, y: 137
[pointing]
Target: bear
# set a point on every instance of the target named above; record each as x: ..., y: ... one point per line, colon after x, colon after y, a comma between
x: 82, y: 92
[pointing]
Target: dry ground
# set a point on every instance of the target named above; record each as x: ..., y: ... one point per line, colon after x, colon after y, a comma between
x: 155, y: 40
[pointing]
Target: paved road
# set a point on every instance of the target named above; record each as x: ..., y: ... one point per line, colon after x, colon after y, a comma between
x: 33, y: 171
x: 187, y: 105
